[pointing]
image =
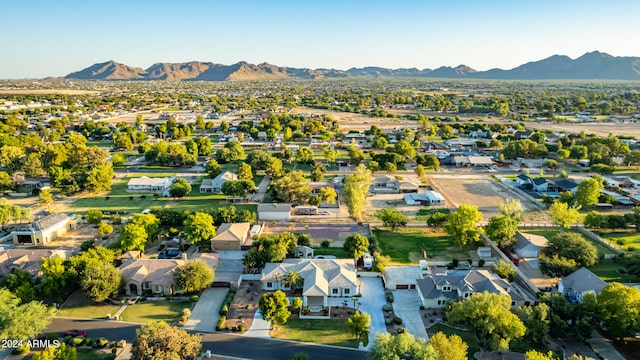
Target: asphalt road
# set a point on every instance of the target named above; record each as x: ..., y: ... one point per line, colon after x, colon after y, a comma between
x: 219, y: 343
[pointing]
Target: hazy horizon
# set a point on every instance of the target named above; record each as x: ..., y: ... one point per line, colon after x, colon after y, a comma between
x: 57, y: 38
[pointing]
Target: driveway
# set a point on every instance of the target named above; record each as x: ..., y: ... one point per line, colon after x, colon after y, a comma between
x: 204, y: 315
x: 371, y: 302
x: 406, y: 305
x: 230, y: 267
x: 260, y: 327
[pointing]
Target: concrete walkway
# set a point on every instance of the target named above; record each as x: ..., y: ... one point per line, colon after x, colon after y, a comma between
x: 406, y: 305
x: 259, y: 327
x: 204, y: 315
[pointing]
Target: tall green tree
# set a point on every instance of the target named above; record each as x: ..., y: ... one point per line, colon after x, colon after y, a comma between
x: 21, y: 284
x: 511, y: 208
x: 356, y: 245
x: 61, y: 352
x: 356, y: 187
x: 193, y: 276
x: 359, y: 323
x: 536, y: 320
x: 489, y: 318
x: 588, y: 192
x: 244, y: 171
x: 449, y: 347
x: 101, y: 282
x: 132, y: 237
x: 180, y: 188
x: 199, y: 228
x: 462, y: 225
x: 392, y: 218
x: 159, y: 341
x: 564, y: 215
x: 401, y: 346
x: 274, y: 307
x: 619, y: 307
x: 22, y: 322
x: 572, y: 246
x: 502, y: 229
x: 293, y: 280
x: 94, y: 217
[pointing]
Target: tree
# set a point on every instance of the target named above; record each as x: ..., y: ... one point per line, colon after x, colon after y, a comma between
x: 588, y: 192
x: 94, y: 217
x: 244, y: 171
x: 462, y: 225
x: 502, y: 229
x: 572, y: 246
x: 392, y: 218
x: 619, y: 307
x: 511, y: 208
x: 419, y: 170
x: 356, y: 187
x: 437, y: 219
x: 132, y: 237
x: 199, y: 228
x: 159, y: 341
x: 489, y: 318
x: 328, y: 195
x: 380, y: 262
x: 5, y: 181
x: 331, y: 155
x: 404, y: 148
x: 55, y: 277
x: 293, y: 280
x: 274, y: 307
x: 536, y: 320
x: 22, y: 322
x: 401, y: 346
x: 304, y: 155
x: 212, y: 168
x: 291, y: 188
x: 180, y: 188
x: 193, y: 276
x: 563, y: 215
x: 449, y: 347
x: 556, y: 266
x: 20, y: 283
x: 355, y: 154
x: 100, y: 282
x: 504, y: 269
x: 61, y: 352
x: 297, y: 303
x: 551, y: 164
x: 358, y: 324
x: 99, y: 178
x: 356, y: 245
x: 104, y: 229
x: 536, y: 355
x: 45, y: 196
x: 274, y: 168
x: 317, y: 171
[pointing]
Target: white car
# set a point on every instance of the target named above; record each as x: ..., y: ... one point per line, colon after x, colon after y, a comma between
x: 326, y: 213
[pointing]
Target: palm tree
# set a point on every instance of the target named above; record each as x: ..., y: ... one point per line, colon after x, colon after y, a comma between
x: 293, y: 280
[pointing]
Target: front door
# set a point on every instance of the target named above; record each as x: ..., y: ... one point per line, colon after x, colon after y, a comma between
x: 133, y: 289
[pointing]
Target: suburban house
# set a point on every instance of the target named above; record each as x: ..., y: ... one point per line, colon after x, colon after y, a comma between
x: 437, y: 290
x: 538, y: 184
x: 480, y: 161
x: 389, y: 184
x: 274, y: 212
x: 145, y: 183
x: 26, y: 260
x: 429, y: 198
x: 232, y: 237
x: 35, y: 183
x: 529, y: 245
x: 322, y: 278
x: 155, y: 276
x: 215, y: 185
x: 520, y: 135
x: 43, y: 231
x: 402, y: 277
x: 566, y: 185
x: 580, y: 282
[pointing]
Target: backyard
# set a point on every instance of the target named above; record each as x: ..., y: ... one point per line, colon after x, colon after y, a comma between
x: 404, y: 246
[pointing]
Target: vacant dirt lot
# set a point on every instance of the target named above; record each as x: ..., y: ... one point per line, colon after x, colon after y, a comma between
x: 337, y: 233
x: 351, y: 121
x: 601, y: 129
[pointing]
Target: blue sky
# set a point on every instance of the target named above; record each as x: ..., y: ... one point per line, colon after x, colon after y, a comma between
x: 54, y: 38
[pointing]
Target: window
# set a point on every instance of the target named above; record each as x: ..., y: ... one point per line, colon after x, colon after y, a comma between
x: 446, y: 288
x: 335, y: 291
x: 440, y: 302
x: 146, y: 286
x: 158, y: 288
x: 346, y: 291
x: 269, y: 285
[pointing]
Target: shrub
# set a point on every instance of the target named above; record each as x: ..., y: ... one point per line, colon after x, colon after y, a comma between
x: 421, y: 307
x: 143, y: 196
x: 53, y: 336
x: 389, y: 295
x: 335, y: 313
x: 241, y: 328
x: 325, y: 244
x: 106, y: 198
x: 248, y: 307
x: 224, y: 310
x: 387, y: 307
x: 631, y: 248
x: 194, y: 298
x: 620, y: 242
x: 131, y: 197
x: 387, y: 321
x: 220, y: 323
x: 67, y: 338
x: 481, y: 262
x: 109, y: 357
x: 305, y: 310
x: 186, y: 312
x: 100, y: 343
x: 88, y: 341
x: 183, y: 319
x: 169, y: 297
x: 76, y: 341
x: 401, y: 330
x: 397, y: 320
x: 351, y: 311
x: 622, y: 270
x: 21, y: 350
x: 325, y: 311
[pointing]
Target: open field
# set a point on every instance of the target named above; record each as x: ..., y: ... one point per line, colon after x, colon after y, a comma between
x: 600, y: 129
x: 336, y: 233
x: 352, y: 121
x: 403, y: 246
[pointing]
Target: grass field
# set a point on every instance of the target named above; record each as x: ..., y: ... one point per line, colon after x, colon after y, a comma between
x: 88, y: 354
x: 549, y: 233
x: 622, y: 239
x: 403, y: 246
x: 466, y: 336
x: 327, y: 332
x: 338, y: 252
x: 88, y: 311
x: 168, y: 311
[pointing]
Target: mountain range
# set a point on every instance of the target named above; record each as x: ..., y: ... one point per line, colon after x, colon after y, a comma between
x: 590, y: 66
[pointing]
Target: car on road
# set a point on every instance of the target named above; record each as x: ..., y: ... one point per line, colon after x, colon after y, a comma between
x: 76, y: 333
x: 326, y: 213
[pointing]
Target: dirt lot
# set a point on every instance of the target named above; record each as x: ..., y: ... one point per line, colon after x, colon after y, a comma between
x: 353, y: 121
x: 337, y: 233
x: 601, y: 129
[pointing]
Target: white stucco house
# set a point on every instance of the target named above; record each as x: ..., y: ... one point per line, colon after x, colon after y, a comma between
x: 215, y: 185
x: 43, y: 231
x: 322, y: 278
x: 145, y: 183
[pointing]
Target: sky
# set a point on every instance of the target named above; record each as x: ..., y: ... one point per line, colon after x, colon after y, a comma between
x: 54, y: 38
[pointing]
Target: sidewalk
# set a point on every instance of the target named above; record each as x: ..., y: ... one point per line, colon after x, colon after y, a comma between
x: 603, y: 348
x: 259, y: 327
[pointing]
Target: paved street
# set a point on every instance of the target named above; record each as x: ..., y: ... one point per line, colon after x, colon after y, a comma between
x: 406, y: 305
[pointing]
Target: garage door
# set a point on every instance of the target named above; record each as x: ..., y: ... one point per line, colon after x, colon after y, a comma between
x: 221, y: 284
x: 412, y: 286
x: 402, y: 287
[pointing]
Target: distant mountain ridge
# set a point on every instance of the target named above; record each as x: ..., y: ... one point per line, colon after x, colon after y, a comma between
x: 590, y: 66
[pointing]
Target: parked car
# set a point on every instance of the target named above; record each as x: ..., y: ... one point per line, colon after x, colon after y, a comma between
x: 326, y: 213
x: 76, y: 333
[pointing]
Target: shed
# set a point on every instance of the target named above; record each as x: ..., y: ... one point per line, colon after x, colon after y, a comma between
x: 435, y: 198
x: 274, y: 212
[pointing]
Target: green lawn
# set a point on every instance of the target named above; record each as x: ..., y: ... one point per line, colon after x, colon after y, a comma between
x: 88, y: 311
x: 466, y: 336
x: 339, y: 253
x: 148, y: 311
x: 549, y: 233
x: 89, y: 354
x: 626, y: 237
x: 327, y: 332
x: 403, y: 245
